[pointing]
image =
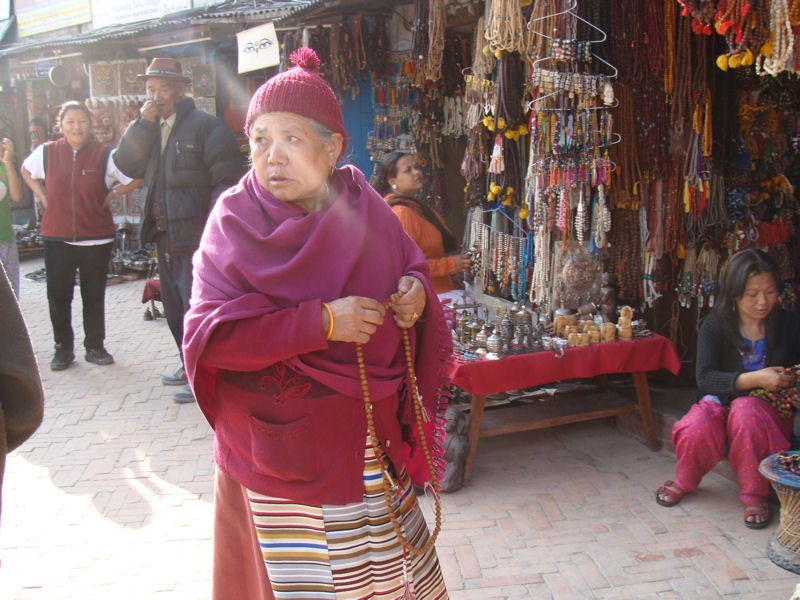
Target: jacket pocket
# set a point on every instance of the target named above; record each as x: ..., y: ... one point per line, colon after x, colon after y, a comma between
x: 189, y: 155
x: 283, y: 450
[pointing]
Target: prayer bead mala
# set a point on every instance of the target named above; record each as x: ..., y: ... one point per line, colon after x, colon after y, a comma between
x: 784, y: 399
x: 789, y: 461
x: 420, y: 414
x: 626, y: 255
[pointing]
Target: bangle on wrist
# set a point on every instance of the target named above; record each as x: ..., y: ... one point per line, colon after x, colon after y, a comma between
x: 329, y: 332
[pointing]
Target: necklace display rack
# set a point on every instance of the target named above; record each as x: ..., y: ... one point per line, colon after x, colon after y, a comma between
x: 569, y: 172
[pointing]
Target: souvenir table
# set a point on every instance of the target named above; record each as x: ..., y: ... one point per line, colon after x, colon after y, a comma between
x: 519, y: 371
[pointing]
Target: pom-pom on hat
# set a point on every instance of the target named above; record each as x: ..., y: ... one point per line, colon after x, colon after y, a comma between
x: 300, y: 90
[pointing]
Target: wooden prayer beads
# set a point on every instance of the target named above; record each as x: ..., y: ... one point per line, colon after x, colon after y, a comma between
x: 419, y: 416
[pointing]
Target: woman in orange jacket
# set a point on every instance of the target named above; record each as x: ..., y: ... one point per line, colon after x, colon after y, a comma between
x: 399, y: 181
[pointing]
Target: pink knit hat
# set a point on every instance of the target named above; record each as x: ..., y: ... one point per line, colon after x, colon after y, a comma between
x: 300, y: 90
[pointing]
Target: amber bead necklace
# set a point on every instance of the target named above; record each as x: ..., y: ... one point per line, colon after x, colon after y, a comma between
x: 419, y: 415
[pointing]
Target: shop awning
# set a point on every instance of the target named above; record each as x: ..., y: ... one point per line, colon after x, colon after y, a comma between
x: 226, y: 13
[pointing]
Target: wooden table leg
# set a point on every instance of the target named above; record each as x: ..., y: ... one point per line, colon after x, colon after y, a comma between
x: 646, y: 409
x: 475, y: 420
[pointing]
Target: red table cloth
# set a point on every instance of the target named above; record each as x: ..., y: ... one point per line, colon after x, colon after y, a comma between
x: 520, y: 371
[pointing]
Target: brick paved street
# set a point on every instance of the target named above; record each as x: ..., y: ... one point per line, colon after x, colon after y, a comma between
x: 111, y: 498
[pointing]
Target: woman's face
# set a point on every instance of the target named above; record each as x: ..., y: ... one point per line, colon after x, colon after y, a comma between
x: 37, y: 135
x: 291, y: 160
x: 409, y: 176
x: 759, y: 298
x: 76, y: 127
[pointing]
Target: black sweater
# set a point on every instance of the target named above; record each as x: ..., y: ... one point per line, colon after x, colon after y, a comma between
x: 719, y: 361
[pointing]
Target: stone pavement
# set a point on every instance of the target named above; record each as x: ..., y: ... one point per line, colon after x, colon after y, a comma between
x: 111, y: 498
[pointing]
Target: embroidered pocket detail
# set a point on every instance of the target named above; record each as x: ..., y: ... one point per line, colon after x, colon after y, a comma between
x: 284, y: 384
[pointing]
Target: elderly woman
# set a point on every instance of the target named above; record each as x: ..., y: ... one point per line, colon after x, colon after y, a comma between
x: 399, y: 181
x: 306, y: 291
x: 74, y: 178
x: 744, y: 348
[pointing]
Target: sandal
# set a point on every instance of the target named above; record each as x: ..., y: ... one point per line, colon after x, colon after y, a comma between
x: 669, y: 494
x: 757, y: 510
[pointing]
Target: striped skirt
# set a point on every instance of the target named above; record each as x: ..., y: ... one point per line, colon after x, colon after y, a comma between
x: 347, y: 551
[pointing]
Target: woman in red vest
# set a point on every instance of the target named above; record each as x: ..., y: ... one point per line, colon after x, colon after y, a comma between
x: 74, y: 179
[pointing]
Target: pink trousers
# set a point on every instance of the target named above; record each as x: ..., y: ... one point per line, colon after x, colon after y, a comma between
x: 746, y: 433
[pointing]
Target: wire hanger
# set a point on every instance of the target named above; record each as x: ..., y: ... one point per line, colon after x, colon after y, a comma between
x: 614, y: 70
x: 512, y: 220
x: 569, y: 11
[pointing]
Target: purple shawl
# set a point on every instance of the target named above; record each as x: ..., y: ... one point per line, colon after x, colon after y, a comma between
x: 259, y: 255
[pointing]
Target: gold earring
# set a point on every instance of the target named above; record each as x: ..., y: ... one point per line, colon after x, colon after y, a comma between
x: 333, y: 168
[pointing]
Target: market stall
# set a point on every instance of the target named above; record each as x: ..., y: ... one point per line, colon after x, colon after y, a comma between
x: 596, y: 157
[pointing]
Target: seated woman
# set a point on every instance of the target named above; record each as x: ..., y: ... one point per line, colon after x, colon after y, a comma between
x: 743, y: 347
x: 399, y: 181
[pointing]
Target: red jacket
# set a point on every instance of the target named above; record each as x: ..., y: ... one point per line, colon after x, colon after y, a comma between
x: 76, y: 192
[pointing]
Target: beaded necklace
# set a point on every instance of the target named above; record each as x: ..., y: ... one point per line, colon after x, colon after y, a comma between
x: 670, y: 15
x: 505, y: 29
x: 420, y: 415
x: 781, y: 42
x: 359, y: 50
x: 542, y: 18
x: 625, y: 255
x: 419, y: 40
x: 651, y: 294
x: 681, y: 90
x: 436, y: 26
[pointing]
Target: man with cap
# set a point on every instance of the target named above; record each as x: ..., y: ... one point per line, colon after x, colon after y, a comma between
x: 187, y: 158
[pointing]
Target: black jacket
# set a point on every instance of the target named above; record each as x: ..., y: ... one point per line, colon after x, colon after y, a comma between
x: 200, y: 161
x: 719, y: 362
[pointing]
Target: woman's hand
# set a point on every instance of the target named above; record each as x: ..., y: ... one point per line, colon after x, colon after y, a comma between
x: 463, y: 263
x: 112, y: 193
x: 355, y: 319
x: 8, y: 151
x: 774, y: 378
x: 410, y: 306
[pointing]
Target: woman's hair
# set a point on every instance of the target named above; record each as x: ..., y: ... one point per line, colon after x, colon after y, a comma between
x: 73, y: 105
x: 38, y: 122
x: 732, y: 283
x: 387, y: 170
